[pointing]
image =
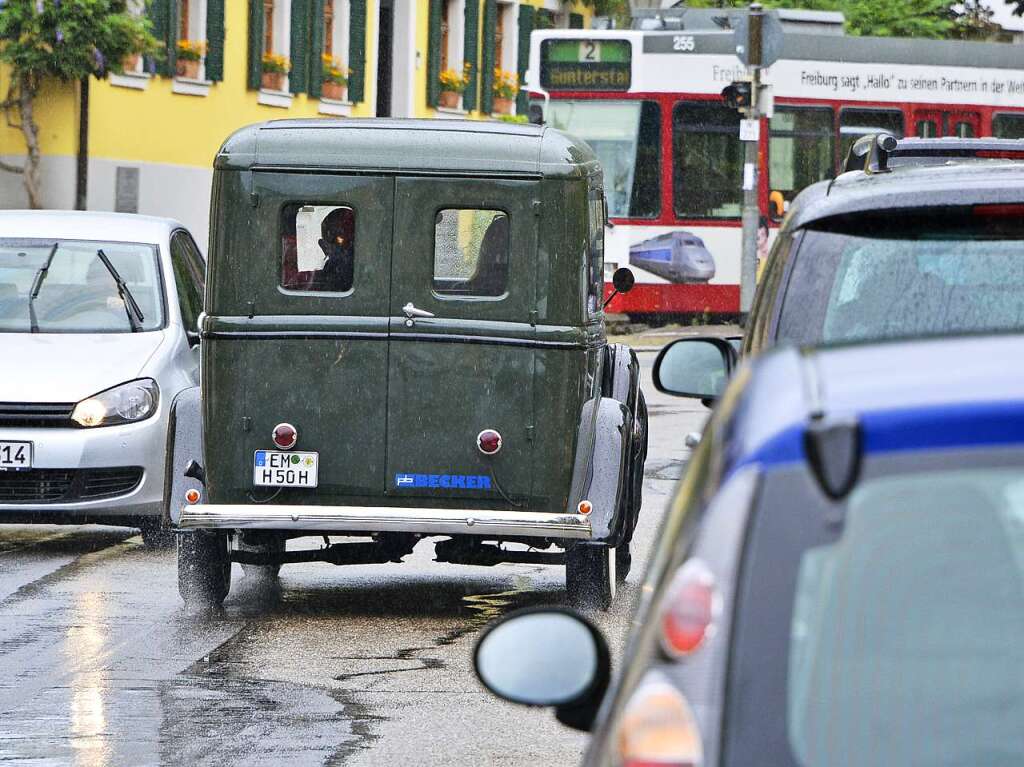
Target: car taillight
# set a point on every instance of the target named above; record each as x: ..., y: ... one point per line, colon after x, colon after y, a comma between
x: 658, y: 729
x: 285, y: 436
x: 689, y: 609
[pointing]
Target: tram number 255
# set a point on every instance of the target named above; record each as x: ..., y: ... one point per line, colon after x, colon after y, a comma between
x: 683, y: 43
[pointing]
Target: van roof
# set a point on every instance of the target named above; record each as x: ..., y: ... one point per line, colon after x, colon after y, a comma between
x: 457, y: 147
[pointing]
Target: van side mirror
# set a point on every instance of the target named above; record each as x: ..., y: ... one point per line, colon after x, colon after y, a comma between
x: 623, y: 281
x: 535, y: 114
x: 546, y: 657
x: 698, y: 368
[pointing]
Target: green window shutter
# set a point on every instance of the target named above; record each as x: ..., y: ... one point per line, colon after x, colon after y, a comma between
x: 316, y: 47
x: 164, y: 15
x: 469, y: 54
x: 434, y: 52
x: 215, y: 40
x: 298, y: 77
x: 357, y: 51
x: 575, y: 21
x: 489, y: 54
x: 255, y: 43
x: 526, y: 16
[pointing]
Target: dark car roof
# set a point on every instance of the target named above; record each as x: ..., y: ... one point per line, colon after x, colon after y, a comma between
x: 908, y: 395
x: 956, y: 183
x: 408, y: 146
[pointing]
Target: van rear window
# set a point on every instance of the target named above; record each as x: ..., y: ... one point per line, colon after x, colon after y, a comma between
x: 471, y: 249
x: 317, y: 247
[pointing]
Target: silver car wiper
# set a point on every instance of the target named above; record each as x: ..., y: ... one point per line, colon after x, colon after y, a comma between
x: 37, y: 283
x: 135, y: 315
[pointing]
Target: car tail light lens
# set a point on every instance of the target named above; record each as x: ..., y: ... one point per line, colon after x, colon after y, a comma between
x: 488, y: 441
x: 689, y: 610
x: 658, y: 729
x: 285, y: 436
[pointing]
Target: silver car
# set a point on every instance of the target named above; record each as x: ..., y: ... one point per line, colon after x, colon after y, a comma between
x: 97, y: 319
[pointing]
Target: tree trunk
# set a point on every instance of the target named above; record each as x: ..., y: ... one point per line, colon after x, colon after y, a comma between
x: 27, y: 91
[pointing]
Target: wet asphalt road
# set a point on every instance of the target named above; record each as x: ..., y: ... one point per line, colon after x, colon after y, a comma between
x: 358, y: 665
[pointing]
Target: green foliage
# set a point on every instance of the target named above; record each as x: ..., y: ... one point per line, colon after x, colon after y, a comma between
x: 875, y: 18
x: 70, y: 39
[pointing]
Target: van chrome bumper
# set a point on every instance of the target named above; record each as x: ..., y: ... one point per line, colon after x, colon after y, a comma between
x: 374, y: 519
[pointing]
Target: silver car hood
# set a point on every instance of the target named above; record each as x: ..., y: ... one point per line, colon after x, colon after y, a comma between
x: 68, y: 367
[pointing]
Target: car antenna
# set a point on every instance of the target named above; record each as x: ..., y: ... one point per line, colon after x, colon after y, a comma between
x: 135, y: 316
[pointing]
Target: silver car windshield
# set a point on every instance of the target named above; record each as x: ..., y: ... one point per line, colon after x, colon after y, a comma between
x: 63, y: 286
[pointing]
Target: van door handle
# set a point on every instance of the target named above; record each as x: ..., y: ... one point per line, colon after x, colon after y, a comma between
x: 412, y: 312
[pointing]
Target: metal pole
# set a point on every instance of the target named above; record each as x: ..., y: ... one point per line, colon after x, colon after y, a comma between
x: 751, y: 209
x: 82, y: 175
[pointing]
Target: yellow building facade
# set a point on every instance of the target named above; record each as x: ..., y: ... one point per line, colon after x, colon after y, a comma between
x: 156, y: 125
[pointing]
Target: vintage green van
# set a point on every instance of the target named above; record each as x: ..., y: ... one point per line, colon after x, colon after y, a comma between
x: 404, y: 337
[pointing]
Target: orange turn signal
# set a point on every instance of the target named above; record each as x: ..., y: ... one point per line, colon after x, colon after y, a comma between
x: 192, y: 495
x: 585, y: 507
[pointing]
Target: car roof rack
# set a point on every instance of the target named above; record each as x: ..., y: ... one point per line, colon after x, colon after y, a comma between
x: 936, y: 151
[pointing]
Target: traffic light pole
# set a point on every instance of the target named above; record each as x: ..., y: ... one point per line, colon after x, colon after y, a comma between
x: 751, y: 208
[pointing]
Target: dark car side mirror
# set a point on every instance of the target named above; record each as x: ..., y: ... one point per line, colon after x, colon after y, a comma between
x: 623, y: 282
x: 698, y: 368
x: 546, y: 657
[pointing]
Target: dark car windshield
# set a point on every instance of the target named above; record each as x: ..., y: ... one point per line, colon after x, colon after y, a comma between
x: 74, y: 291
x: 879, y: 277
x: 891, y: 638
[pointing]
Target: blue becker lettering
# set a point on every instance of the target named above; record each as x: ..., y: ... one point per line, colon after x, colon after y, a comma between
x: 444, y: 481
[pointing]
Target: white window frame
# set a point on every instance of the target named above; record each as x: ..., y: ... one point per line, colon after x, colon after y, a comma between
x: 196, y: 31
x: 340, y: 30
x: 456, y: 34
x: 282, y: 39
x: 509, y: 11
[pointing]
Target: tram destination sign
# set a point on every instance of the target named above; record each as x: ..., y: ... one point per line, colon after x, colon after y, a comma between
x: 584, y: 64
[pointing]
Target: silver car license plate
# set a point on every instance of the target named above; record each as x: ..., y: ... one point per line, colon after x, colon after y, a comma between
x: 15, y: 456
x: 275, y: 468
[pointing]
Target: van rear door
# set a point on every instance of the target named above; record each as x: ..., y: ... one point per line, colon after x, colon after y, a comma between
x: 462, y: 344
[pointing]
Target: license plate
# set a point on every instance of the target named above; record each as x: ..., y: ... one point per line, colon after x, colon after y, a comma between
x: 15, y: 456
x: 274, y: 468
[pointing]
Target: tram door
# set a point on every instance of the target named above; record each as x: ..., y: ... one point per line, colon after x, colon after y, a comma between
x: 936, y: 123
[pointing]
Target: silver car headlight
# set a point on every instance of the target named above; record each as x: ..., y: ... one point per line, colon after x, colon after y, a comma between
x: 127, y: 403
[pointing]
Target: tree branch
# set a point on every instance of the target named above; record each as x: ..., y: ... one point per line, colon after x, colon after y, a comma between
x: 6, y: 166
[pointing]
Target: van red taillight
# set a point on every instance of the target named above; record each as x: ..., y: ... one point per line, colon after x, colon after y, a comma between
x: 658, y: 728
x: 488, y: 441
x: 689, y: 610
x: 285, y: 436
x: 999, y: 210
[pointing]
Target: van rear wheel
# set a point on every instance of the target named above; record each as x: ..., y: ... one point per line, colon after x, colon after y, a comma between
x: 590, y: 576
x: 204, y: 569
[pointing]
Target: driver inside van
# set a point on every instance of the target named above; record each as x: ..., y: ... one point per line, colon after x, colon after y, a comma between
x: 336, y: 243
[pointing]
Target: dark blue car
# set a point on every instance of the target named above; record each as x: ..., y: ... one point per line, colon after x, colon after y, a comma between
x: 840, y: 578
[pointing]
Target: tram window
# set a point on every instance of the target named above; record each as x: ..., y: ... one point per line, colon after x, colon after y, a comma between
x: 1008, y: 126
x: 963, y: 129
x: 707, y: 161
x: 626, y: 137
x: 854, y: 123
x: 801, y: 149
x: 926, y: 129
x: 471, y: 250
x: 317, y: 247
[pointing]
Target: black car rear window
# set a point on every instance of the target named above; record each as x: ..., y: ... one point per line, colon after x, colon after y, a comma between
x: 889, y: 634
x: 887, y: 276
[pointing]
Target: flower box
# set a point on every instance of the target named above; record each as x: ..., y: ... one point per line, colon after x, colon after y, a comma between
x: 502, y: 106
x: 272, y: 81
x: 449, y: 99
x: 187, y: 68
x: 333, y: 91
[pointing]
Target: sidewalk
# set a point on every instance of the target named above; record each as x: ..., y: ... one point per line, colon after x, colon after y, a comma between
x: 654, y: 339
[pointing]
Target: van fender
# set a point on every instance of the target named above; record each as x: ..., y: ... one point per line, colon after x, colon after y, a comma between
x: 184, y: 445
x: 622, y: 383
x: 602, y: 456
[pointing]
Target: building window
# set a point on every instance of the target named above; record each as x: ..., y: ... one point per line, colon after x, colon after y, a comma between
x: 335, y: 43
x: 268, y: 26
x: 276, y: 41
x: 191, y: 45
x: 506, y: 32
x: 329, y: 27
x: 445, y: 34
x: 471, y: 252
